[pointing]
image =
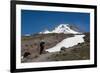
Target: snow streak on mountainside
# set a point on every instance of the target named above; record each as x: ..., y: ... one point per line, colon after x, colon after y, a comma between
x: 68, y: 42
x: 27, y: 35
x: 62, y: 28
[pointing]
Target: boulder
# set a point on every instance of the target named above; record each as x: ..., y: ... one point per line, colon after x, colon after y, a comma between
x: 63, y: 48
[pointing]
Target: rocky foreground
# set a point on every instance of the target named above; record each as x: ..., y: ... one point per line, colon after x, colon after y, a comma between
x: 77, y: 52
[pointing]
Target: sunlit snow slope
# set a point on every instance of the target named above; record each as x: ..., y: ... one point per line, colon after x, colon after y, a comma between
x: 68, y: 42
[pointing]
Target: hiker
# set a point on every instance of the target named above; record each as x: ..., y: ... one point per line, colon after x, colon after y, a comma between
x: 42, y: 45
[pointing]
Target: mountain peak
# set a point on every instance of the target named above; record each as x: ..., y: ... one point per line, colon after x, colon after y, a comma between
x: 62, y: 28
x: 63, y: 25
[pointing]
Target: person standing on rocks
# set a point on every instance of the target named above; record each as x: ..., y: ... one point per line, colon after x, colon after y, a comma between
x: 42, y: 45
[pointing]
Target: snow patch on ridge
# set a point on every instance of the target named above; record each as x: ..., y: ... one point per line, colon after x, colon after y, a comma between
x: 68, y: 42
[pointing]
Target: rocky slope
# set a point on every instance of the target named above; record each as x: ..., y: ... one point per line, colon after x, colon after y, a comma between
x: 77, y: 52
x: 31, y: 44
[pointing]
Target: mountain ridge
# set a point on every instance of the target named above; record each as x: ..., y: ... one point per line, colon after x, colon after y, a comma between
x: 62, y: 28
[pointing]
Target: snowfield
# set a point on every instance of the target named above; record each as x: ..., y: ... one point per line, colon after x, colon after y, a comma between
x: 68, y: 42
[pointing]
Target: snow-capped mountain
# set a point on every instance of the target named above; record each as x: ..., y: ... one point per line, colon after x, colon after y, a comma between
x: 62, y: 28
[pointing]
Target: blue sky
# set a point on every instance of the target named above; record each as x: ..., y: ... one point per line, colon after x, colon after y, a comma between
x: 35, y: 21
